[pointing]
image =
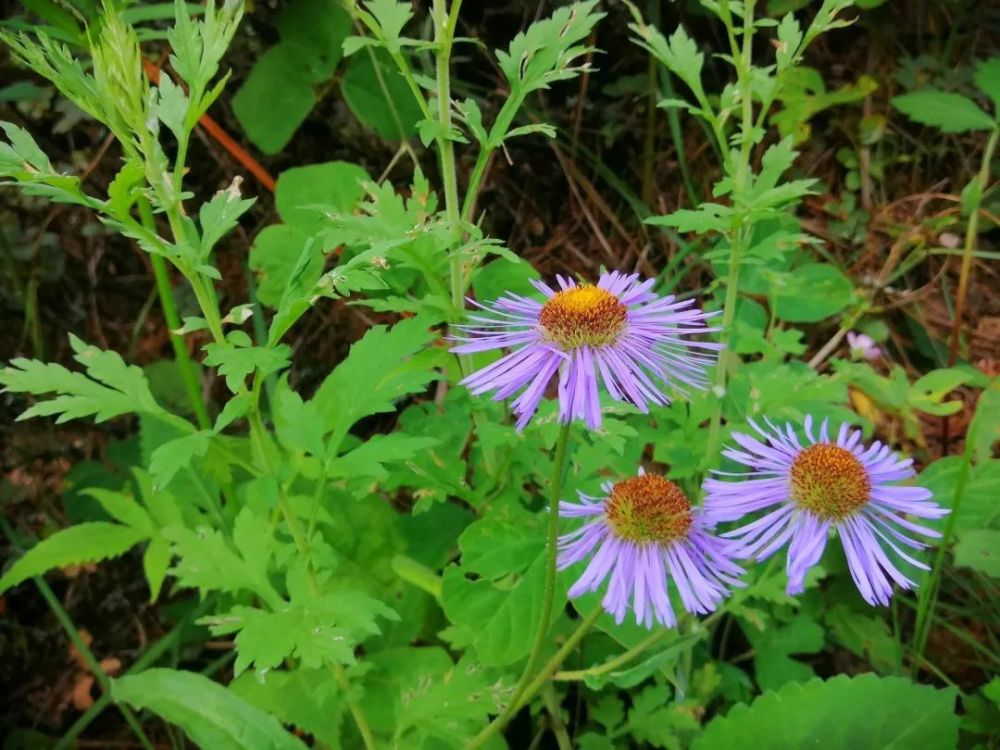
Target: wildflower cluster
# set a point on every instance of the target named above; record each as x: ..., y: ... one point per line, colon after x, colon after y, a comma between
x: 644, y: 536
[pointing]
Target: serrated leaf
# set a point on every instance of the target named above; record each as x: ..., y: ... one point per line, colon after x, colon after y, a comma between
x: 83, y: 543
x: 298, y: 423
x: 384, y: 361
x: 305, y: 698
x: 841, y: 712
x: 175, y: 455
x: 811, y: 292
x: 775, y: 646
x: 950, y: 113
x: 708, y: 217
x: 236, y: 363
x: 109, y: 388
x: 319, y: 631
x: 220, y: 215
x: 369, y: 458
x: 302, y: 194
x: 789, y: 39
x: 210, y: 715
x: 655, y: 719
x: 155, y: 563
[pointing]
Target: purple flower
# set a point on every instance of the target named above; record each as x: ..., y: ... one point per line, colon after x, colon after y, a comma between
x: 809, y: 490
x: 862, y: 346
x: 645, y: 534
x: 617, y: 333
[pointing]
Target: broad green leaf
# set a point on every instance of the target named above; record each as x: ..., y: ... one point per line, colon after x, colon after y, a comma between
x: 812, y: 292
x: 302, y: 194
x: 413, y: 692
x: 865, y: 635
x: 313, y: 31
x: 950, y: 113
x: 380, y: 368
x: 380, y: 98
x: 889, y: 713
x: 979, y: 549
x: 305, y: 698
x: 928, y: 392
x: 979, y: 509
x: 501, y: 542
x: 83, y: 543
x: 775, y: 646
x: 984, y: 430
x: 123, y: 508
x: 987, y: 78
x: 502, y: 619
x: 273, y: 256
x: 155, y: 563
x: 218, y: 216
x: 109, y: 389
x: 210, y: 715
x: 275, y: 99
x: 298, y: 423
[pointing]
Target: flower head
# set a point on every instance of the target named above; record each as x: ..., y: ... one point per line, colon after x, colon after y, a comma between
x: 645, y: 534
x: 862, y: 346
x: 616, y: 332
x: 810, y: 488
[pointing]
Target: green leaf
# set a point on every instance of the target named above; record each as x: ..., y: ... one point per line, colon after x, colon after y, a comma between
x: 302, y: 194
x: 380, y: 100
x: 109, y: 389
x: 369, y: 458
x: 657, y: 720
x: 549, y: 50
x: 83, y: 543
x: 305, y: 698
x: 210, y: 715
x: 928, y: 393
x: 812, y: 292
x: 298, y: 423
x: 275, y: 99
x: 123, y: 508
x: 385, y: 362
x: 789, y: 39
x: 419, y: 691
x: 313, y: 31
x: 867, y: 636
x: 236, y: 363
x: 979, y: 549
x: 155, y: 563
x: 950, y: 113
x: 708, y: 217
x: 776, y: 644
x: 979, y: 509
x: 219, y: 216
x: 391, y: 17
x: 843, y: 712
x: 987, y: 78
x: 501, y: 608
x: 175, y: 455
x: 275, y: 253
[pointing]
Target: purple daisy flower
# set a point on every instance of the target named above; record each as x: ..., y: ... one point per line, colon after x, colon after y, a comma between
x: 646, y: 534
x: 807, y: 490
x: 617, y: 332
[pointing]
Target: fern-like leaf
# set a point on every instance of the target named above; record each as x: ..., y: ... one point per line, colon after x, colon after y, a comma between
x: 109, y: 388
x: 83, y: 543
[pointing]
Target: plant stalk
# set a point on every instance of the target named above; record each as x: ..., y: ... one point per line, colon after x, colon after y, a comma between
x: 559, y: 466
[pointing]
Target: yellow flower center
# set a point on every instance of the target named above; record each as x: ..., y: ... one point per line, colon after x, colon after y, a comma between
x: 829, y: 481
x: 583, y: 316
x: 647, y: 509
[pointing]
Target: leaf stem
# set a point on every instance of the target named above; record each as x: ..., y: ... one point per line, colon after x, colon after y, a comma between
x: 522, y: 687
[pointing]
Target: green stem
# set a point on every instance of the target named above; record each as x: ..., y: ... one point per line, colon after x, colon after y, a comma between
x: 971, y: 233
x: 558, y: 471
x: 444, y: 29
x: 741, y: 181
x: 189, y: 376
x: 928, y: 594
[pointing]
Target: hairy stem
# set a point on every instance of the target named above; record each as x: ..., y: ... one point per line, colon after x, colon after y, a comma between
x: 558, y: 471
